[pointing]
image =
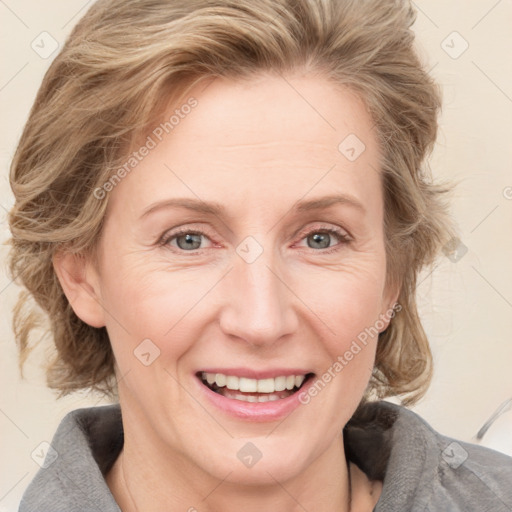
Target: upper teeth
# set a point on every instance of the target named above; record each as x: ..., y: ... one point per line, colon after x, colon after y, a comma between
x: 254, y: 385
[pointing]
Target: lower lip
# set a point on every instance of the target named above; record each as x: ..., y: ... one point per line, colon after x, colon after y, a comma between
x: 254, y: 411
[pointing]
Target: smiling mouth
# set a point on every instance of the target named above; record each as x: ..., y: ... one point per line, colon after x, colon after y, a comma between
x: 254, y: 390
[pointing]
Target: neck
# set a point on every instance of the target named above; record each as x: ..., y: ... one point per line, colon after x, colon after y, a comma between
x: 150, y: 477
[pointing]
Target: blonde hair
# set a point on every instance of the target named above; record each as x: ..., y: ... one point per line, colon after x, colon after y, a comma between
x: 102, y: 91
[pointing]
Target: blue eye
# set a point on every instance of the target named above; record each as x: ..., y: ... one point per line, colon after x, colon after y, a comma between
x: 190, y: 241
x: 323, y: 239
x: 185, y: 240
x: 319, y: 240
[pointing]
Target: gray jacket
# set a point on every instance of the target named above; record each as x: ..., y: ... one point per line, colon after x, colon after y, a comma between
x: 422, y: 470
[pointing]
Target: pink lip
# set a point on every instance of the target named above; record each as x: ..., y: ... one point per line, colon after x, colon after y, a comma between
x: 254, y: 411
x: 256, y: 374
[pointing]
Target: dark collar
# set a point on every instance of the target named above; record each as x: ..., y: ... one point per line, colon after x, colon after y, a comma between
x: 421, y: 469
x: 367, y: 436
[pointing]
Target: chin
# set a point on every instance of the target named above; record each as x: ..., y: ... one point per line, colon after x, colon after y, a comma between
x: 256, y: 461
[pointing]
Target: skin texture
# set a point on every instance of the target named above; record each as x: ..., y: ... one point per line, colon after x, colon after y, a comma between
x: 257, y: 147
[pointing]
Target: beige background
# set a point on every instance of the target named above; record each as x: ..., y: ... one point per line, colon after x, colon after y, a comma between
x: 466, y: 305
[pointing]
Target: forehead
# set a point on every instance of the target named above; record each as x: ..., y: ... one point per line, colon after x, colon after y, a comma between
x: 270, y: 137
x: 267, y: 111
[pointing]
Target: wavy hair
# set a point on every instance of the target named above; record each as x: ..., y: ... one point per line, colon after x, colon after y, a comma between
x: 102, y: 91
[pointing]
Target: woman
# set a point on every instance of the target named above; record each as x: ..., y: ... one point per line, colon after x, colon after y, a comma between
x: 222, y: 207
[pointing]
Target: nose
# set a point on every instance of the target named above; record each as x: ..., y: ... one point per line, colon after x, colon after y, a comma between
x: 258, y: 305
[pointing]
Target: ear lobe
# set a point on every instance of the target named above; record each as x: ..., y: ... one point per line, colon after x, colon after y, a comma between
x: 389, y: 306
x: 80, y: 283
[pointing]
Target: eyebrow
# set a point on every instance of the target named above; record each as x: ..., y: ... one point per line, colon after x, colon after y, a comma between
x: 327, y: 201
x: 196, y: 205
x: 218, y: 209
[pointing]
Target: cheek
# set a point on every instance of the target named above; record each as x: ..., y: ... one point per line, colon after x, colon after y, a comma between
x: 348, y: 354
x: 348, y: 300
x: 150, y: 305
x: 347, y: 305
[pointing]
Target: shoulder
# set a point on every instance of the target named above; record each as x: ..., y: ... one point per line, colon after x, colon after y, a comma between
x: 86, y: 443
x: 423, y: 470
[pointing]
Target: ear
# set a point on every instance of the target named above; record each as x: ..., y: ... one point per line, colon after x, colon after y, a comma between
x: 389, y: 304
x: 80, y: 282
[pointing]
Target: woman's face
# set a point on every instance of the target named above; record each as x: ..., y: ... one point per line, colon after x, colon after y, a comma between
x: 247, y: 248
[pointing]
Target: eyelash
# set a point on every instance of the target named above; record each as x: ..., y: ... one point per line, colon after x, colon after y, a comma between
x: 343, y: 237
